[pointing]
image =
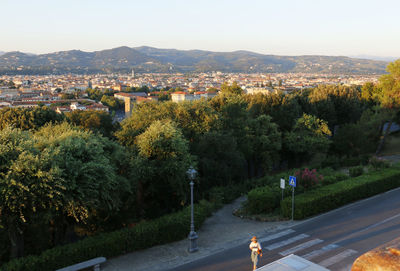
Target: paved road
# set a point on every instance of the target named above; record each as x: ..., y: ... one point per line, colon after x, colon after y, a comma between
x: 333, y: 240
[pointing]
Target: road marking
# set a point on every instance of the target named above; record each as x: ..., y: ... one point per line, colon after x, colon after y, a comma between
x: 337, y: 258
x: 287, y: 241
x: 276, y: 235
x: 380, y: 223
x: 320, y: 251
x: 301, y: 247
x: 368, y: 228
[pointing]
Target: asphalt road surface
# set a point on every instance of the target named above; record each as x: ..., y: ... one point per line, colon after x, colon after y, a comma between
x: 333, y: 240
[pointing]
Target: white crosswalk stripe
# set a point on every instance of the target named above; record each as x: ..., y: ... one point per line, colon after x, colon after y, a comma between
x: 337, y: 258
x: 320, y: 251
x: 287, y: 241
x: 313, y: 254
x: 301, y: 247
x: 276, y: 235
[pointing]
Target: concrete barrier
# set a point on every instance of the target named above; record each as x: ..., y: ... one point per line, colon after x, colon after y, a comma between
x: 79, y: 266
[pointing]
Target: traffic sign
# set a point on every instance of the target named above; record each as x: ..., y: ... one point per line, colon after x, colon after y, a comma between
x: 292, y: 181
x: 282, y: 183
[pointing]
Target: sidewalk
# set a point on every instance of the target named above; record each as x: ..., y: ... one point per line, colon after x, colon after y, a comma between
x: 220, y: 231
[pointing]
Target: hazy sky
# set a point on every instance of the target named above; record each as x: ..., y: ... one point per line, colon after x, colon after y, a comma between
x: 284, y: 27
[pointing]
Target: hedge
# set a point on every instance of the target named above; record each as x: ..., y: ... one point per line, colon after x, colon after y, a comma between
x: 263, y: 200
x: 356, y: 171
x: 335, y: 195
x: 334, y: 178
x: 165, y: 229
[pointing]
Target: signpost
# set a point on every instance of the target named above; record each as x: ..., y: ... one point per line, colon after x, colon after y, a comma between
x: 282, y: 186
x: 292, y: 183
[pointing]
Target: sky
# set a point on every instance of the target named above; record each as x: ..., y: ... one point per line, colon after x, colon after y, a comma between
x: 281, y: 27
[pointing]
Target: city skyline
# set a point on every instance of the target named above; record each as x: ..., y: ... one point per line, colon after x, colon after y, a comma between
x: 308, y: 27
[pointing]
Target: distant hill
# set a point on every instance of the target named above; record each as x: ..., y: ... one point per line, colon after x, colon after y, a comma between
x: 149, y: 59
x: 381, y: 58
x: 2, y: 53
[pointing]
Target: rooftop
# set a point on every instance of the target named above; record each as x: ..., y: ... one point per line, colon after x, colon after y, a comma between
x: 292, y: 263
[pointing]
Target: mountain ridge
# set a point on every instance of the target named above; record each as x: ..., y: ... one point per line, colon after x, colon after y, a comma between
x: 150, y: 59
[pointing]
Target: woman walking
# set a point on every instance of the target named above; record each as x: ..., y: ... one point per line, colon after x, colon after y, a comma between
x: 256, y: 250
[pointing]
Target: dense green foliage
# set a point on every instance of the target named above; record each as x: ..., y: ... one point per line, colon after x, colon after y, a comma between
x: 27, y: 119
x: 160, y: 166
x: 263, y: 200
x: 95, y: 121
x: 66, y: 177
x: 142, y: 235
x: 57, y: 177
x: 356, y: 171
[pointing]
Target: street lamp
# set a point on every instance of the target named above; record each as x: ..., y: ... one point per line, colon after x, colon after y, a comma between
x: 192, y: 235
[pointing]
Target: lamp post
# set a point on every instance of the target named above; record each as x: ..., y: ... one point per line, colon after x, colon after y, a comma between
x: 192, y: 235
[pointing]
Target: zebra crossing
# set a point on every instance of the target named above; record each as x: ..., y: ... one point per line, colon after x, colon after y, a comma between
x: 287, y: 242
x: 301, y: 247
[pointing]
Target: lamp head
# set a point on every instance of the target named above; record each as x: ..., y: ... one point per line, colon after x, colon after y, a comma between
x: 191, y: 172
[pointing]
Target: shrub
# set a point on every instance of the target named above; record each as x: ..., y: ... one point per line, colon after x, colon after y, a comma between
x: 308, y: 178
x: 335, y: 195
x: 263, y: 181
x: 378, y: 163
x: 143, y: 235
x: 334, y: 178
x: 356, y: 171
x: 326, y: 171
x: 263, y: 200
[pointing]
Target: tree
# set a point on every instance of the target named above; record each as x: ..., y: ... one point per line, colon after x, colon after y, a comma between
x: 142, y: 89
x: 234, y: 117
x: 264, y: 145
x: 112, y: 102
x: 234, y: 89
x: 220, y: 163
x: 143, y: 115
x: 336, y: 104
x: 28, y: 185
x: 261, y: 104
x: 95, y: 121
x: 67, y: 96
x: 90, y: 173
x: 95, y: 94
x: 354, y: 139
x: 161, y: 165
x: 286, y: 114
x: 195, y: 118
x: 308, y: 137
x: 390, y: 84
x: 28, y: 118
x: 371, y: 93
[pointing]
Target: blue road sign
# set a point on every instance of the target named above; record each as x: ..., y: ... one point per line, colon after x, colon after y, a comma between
x: 292, y: 181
